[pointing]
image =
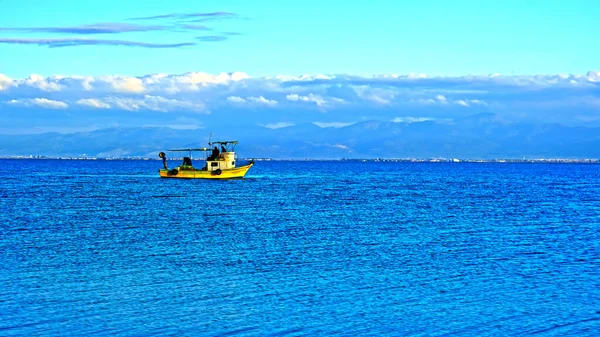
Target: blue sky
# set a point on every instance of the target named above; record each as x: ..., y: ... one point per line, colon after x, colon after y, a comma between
x: 80, y: 65
x: 435, y: 37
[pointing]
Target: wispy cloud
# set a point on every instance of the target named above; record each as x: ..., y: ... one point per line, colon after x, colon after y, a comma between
x: 211, y: 15
x: 212, y: 38
x: 147, y: 102
x: 277, y: 125
x: 41, y: 102
x: 194, y: 27
x: 442, y: 100
x: 217, y: 37
x: 262, y: 100
x: 73, y: 42
x: 409, y: 119
x: 97, y: 28
x: 332, y: 124
x: 94, y: 103
x: 178, y: 23
x: 248, y: 100
x: 318, y: 100
x: 236, y: 99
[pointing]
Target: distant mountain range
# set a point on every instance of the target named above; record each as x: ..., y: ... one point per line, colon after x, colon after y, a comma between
x: 482, y: 136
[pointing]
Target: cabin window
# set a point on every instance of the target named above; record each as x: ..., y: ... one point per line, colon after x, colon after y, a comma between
x: 214, y: 164
x: 232, y: 163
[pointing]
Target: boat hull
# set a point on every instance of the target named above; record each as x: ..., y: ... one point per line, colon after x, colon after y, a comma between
x: 184, y: 173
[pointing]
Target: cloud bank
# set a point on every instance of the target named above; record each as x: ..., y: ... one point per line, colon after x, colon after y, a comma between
x: 331, y: 100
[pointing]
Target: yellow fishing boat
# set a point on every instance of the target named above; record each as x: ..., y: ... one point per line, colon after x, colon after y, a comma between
x: 218, y: 164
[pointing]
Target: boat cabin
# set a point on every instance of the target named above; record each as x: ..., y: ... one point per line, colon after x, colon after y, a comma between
x: 220, y: 157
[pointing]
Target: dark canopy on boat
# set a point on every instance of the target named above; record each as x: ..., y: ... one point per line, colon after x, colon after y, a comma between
x: 187, y: 150
x: 226, y: 142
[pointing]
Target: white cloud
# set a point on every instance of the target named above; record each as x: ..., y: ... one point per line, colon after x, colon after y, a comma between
x: 236, y: 99
x: 593, y: 76
x: 6, y: 82
x: 125, y: 84
x: 428, y: 101
x: 304, y: 77
x: 248, y: 100
x: 192, y: 81
x: 195, y: 78
x: 262, y: 100
x: 411, y: 119
x: 412, y: 75
x: 86, y: 83
x: 41, y: 102
x: 310, y: 98
x: 378, y: 99
x: 153, y: 103
x: 44, y: 84
x: 379, y: 96
x: 442, y: 100
x: 94, y: 103
x: 278, y: 125
x: 476, y: 102
x: 237, y: 76
x: 320, y: 101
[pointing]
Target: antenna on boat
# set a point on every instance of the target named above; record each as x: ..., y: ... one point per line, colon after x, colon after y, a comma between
x: 209, y: 137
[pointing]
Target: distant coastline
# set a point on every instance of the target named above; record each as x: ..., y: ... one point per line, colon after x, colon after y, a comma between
x: 396, y: 160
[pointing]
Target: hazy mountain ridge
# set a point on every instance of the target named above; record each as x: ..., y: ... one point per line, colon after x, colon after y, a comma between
x: 481, y: 136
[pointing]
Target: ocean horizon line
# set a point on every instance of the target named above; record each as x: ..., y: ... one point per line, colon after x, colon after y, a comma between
x: 366, y: 159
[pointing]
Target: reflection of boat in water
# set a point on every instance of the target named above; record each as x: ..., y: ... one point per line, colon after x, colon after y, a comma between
x: 218, y: 164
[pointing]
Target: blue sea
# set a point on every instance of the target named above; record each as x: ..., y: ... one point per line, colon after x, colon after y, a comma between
x: 306, y: 248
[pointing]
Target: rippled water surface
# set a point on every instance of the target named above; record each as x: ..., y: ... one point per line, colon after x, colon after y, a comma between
x: 300, y: 248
